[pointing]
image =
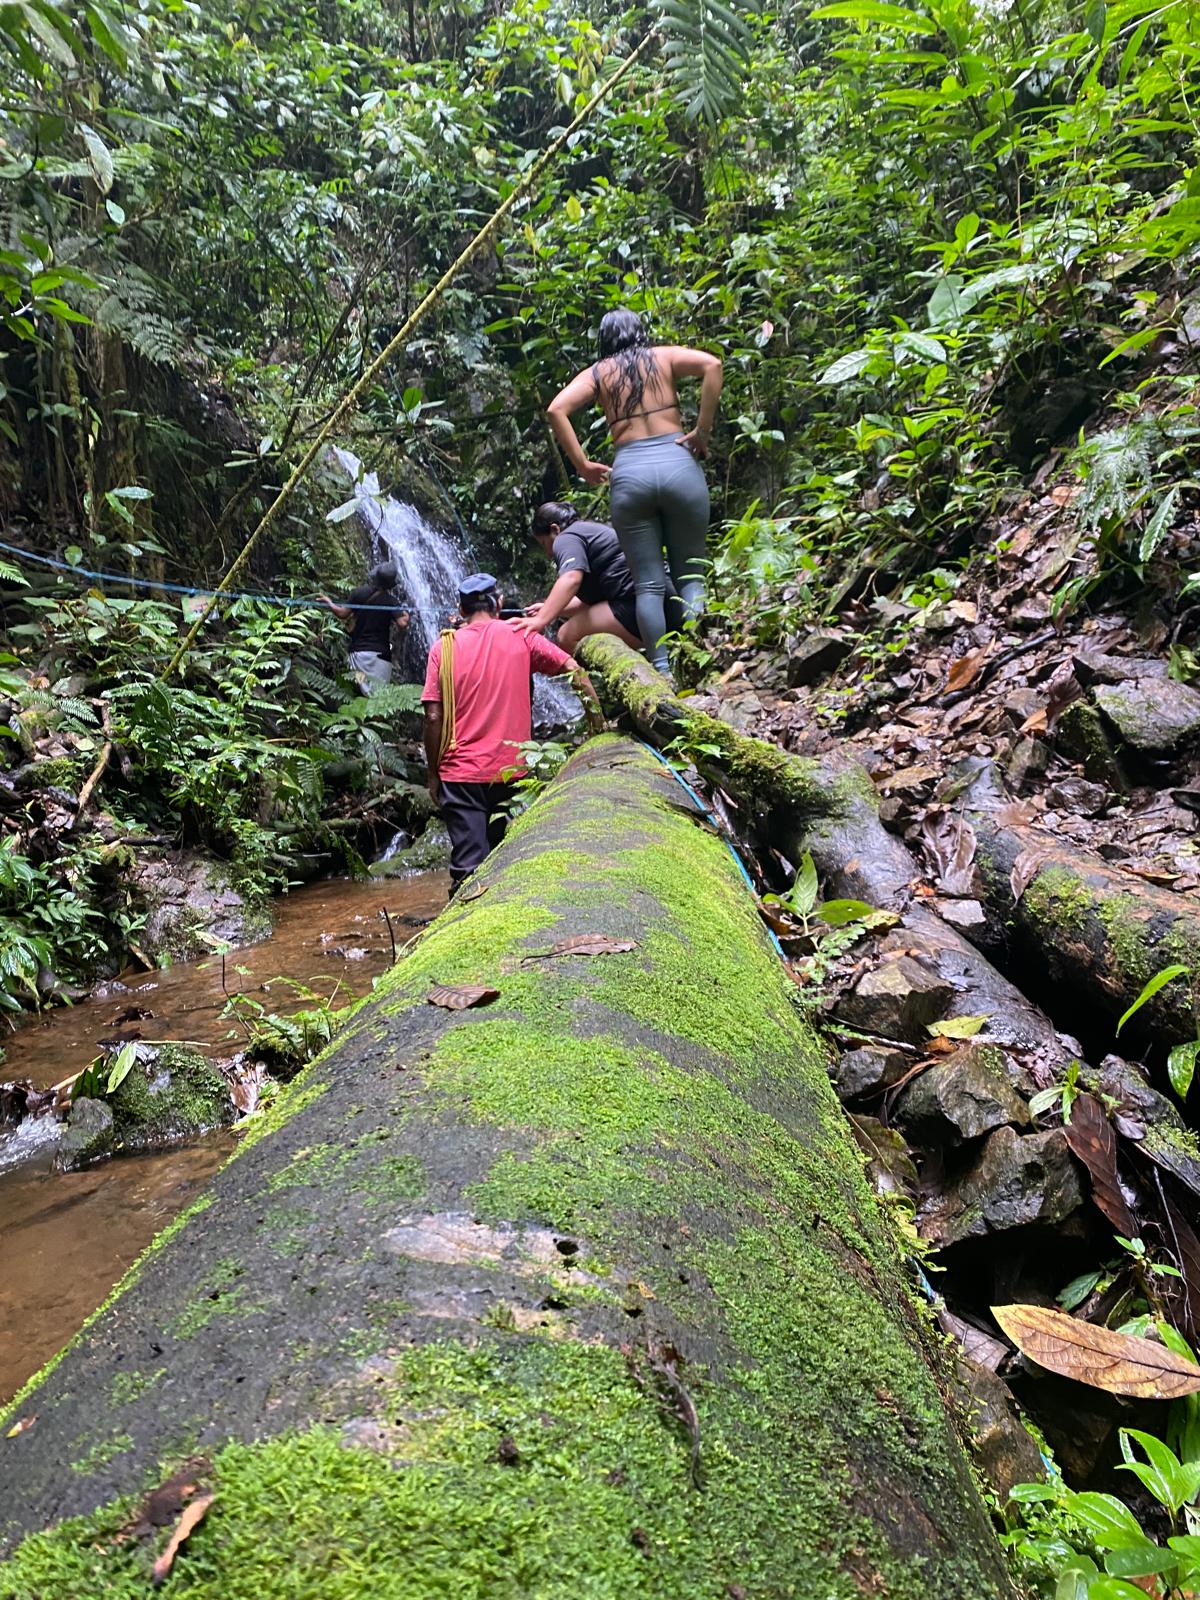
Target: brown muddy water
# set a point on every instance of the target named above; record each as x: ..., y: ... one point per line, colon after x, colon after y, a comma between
x: 68, y: 1236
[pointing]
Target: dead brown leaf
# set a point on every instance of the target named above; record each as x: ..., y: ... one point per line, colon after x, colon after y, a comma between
x: 1036, y: 721
x: 459, y: 996
x: 1091, y: 1137
x: 909, y: 778
x: 950, y: 841
x: 21, y: 1426
x: 1119, y: 1363
x: 191, y: 1519
x: 585, y: 944
x: 964, y: 610
x: 1024, y: 871
x: 966, y: 669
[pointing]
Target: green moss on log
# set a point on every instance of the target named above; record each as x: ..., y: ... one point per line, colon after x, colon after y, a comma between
x: 632, y: 1326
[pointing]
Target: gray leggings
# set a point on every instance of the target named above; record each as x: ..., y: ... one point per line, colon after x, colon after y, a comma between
x: 660, y: 498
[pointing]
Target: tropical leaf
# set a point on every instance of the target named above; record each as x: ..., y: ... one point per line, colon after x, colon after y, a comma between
x: 707, y: 46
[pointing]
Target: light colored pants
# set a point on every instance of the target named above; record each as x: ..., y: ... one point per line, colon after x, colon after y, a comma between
x: 370, y: 670
x: 660, y: 499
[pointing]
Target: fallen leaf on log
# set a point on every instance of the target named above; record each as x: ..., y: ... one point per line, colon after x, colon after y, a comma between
x: 585, y: 944
x: 976, y: 1345
x: 965, y: 670
x: 21, y: 1426
x: 1035, y: 722
x: 191, y: 1519
x: 1119, y: 1363
x: 1024, y: 871
x: 459, y: 996
x: 473, y: 894
x: 1091, y: 1137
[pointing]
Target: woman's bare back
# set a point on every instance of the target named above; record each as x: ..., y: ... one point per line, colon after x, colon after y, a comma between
x: 658, y: 411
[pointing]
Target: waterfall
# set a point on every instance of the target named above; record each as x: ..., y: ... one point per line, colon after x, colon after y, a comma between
x: 431, y: 566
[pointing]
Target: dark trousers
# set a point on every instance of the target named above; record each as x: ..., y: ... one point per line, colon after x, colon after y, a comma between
x: 467, y: 810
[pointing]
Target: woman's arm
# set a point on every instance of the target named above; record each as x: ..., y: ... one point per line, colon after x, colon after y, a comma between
x: 581, y: 391
x: 687, y: 363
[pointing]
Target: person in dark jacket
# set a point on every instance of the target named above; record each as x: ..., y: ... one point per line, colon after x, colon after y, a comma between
x: 594, y: 591
x: 371, y: 611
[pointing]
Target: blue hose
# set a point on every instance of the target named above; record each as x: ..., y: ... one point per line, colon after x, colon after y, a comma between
x: 705, y: 811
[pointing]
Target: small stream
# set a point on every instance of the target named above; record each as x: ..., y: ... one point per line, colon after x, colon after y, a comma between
x: 68, y: 1237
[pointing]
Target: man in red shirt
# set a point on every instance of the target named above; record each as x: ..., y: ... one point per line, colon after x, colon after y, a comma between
x: 477, y: 701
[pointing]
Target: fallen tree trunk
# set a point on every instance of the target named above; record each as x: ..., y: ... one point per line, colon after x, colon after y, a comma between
x: 798, y: 804
x: 579, y: 1292
x: 1085, y: 923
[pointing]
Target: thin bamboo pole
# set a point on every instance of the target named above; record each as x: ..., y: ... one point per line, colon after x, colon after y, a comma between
x: 347, y: 404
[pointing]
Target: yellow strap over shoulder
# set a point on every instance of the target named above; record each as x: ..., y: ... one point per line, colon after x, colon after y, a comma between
x: 446, y: 685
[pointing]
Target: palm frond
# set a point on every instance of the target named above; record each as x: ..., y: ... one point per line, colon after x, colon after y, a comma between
x: 707, y: 45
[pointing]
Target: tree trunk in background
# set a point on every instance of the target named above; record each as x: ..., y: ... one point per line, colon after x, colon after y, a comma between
x: 579, y: 1293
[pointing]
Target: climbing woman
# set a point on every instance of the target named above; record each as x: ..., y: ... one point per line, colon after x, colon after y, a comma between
x: 659, y: 493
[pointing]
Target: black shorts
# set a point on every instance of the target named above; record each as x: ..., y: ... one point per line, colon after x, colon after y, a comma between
x: 624, y: 608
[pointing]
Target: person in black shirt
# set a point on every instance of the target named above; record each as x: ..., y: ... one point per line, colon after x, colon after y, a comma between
x: 594, y: 591
x: 371, y: 611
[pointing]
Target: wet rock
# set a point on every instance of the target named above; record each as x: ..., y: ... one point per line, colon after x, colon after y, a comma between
x: 1092, y: 667
x: 89, y: 1135
x: 817, y: 655
x: 968, y: 916
x: 1004, y: 1450
x: 190, y: 907
x: 1018, y: 1180
x: 429, y: 853
x: 1078, y: 796
x: 1027, y: 763
x: 1155, y: 716
x: 170, y: 1093
x: 898, y: 1000
x: 1081, y: 733
x: 869, y: 1067
x: 962, y: 1097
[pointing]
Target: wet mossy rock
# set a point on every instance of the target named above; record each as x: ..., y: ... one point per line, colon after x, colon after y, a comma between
x: 582, y: 1292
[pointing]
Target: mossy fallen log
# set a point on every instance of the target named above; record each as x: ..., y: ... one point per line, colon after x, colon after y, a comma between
x: 579, y: 1293
x: 1084, y: 923
x: 830, y: 808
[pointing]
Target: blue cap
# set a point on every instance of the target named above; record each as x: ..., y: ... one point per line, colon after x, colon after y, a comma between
x: 477, y: 583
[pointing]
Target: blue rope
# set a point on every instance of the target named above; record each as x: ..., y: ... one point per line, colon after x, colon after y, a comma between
x: 181, y: 588
x: 712, y: 817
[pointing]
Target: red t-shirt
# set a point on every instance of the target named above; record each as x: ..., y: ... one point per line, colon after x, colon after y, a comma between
x: 492, y: 666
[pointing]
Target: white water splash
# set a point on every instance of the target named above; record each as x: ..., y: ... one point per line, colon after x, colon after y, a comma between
x: 431, y: 566
x: 32, y: 1137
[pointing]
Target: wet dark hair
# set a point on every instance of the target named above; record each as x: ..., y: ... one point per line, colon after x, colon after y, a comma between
x: 625, y: 342
x: 384, y: 575
x: 554, y: 514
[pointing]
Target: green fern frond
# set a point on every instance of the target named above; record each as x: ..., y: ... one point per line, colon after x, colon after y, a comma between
x: 1117, y: 469
x: 707, y: 45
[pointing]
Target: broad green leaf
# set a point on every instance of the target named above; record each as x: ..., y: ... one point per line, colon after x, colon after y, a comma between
x: 99, y: 158
x: 923, y: 345
x: 573, y: 209
x: 1135, y: 341
x: 116, y: 213
x: 803, y: 894
x: 1107, y: 1519
x: 73, y: 555
x: 877, y: 11
x: 1094, y: 19
x: 847, y: 366
x: 1157, y: 982
x: 958, y: 1028
x: 838, y: 913
x: 1077, y: 1291
x: 1139, y: 1561
x: 121, y: 1067
x: 105, y: 34
x: 340, y: 513
x: 1158, y: 525
x: 1181, y: 1066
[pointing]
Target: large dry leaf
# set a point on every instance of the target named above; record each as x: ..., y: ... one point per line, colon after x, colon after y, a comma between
x: 191, y: 1519
x: 1091, y: 1137
x: 1025, y: 870
x: 585, y: 944
x: 965, y: 670
x: 908, y: 778
x: 1117, y: 1362
x: 951, y: 844
x: 458, y: 996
